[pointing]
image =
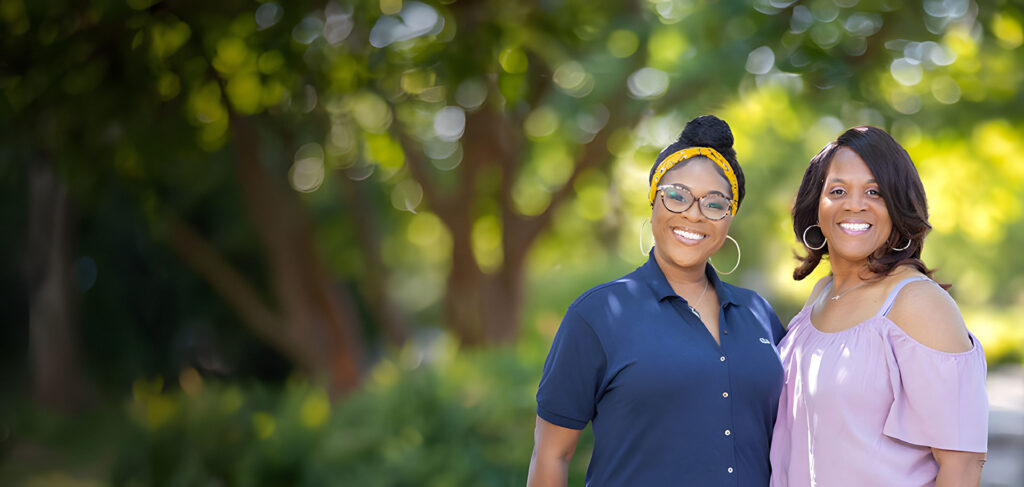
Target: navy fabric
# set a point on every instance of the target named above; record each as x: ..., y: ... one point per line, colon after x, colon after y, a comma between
x: 668, y: 405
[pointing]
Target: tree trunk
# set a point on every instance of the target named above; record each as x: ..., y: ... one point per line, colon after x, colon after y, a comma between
x: 318, y: 319
x: 374, y: 281
x: 54, y: 358
x: 463, y: 308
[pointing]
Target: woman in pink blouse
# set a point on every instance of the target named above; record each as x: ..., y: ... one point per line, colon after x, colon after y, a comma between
x: 884, y: 384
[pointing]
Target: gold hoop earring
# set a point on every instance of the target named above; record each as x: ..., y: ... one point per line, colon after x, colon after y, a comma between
x: 643, y: 248
x: 739, y: 255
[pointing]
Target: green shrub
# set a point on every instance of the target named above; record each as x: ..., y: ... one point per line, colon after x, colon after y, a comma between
x: 429, y: 416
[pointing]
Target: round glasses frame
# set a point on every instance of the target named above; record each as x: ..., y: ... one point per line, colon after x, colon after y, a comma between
x: 700, y: 207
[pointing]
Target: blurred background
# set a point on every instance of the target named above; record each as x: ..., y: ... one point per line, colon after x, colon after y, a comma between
x: 329, y: 243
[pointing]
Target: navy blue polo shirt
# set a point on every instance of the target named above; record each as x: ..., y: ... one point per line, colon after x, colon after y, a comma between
x: 669, y: 405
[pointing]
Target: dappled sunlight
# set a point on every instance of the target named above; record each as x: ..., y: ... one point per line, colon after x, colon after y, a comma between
x: 487, y: 246
x: 428, y: 233
x: 667, y: 48
x: 950, y: 168
x: 998, y: 330
x: 768, y: 107
x: 592, y: 195
x: 272, y: 195
x: 648, y: 83
x: 414, y: 19
x: 307, y: 172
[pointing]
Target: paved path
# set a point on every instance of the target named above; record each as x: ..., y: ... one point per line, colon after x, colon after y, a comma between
x: 1005, y: 465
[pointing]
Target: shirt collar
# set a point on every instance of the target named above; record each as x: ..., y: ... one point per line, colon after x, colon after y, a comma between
x: 655, y: 279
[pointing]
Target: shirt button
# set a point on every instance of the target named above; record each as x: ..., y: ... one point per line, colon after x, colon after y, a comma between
x: 722, y: 358
x: 725, y: 332
x: 730, y: 469
x: 725, y: 394
x: 727, y: 432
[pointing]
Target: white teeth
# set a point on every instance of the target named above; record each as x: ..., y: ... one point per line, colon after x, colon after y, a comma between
x: 855, y: 227
x: 689, y: 235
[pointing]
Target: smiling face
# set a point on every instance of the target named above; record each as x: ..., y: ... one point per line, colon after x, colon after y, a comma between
x: 851, y: 211
x: 686, y: 240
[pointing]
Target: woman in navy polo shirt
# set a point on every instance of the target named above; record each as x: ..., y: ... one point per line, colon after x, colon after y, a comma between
x: 677, y: 370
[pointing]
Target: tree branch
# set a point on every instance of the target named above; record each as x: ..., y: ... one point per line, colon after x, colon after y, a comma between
x: 229, y: 284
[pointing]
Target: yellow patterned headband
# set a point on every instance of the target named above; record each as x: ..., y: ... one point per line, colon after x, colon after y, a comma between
x: 687, y: 153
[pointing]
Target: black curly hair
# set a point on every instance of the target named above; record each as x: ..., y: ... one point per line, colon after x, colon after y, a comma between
x: 706, y: 131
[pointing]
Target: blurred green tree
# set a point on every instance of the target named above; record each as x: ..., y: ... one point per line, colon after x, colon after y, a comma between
x: 391, y: 142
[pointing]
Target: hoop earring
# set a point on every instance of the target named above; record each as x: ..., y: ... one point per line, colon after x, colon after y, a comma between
x: 643, y: 248
x: 739, y: 256
x: 905, y: 247
x: 824, y: 241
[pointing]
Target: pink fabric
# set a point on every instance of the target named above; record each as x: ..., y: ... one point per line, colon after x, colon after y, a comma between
x: 864, y: 406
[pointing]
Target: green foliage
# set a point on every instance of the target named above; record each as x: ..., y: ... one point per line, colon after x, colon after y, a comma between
x: 428, y: 416
x: 132, y: 101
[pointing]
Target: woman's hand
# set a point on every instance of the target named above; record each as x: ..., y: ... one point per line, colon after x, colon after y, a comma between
x: 553, y: 447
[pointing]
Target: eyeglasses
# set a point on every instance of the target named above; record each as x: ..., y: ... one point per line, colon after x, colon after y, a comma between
x: 677, y: 199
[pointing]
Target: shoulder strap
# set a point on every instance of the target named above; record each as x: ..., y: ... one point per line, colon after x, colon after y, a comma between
x: 822, y: 293
x: 884, y: 310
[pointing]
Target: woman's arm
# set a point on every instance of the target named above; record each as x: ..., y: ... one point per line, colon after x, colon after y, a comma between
x: 553, y: 447
x: 958, y: 468
x: 931, y: 317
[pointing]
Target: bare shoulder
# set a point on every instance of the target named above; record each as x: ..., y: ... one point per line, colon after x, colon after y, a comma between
x: 929, y: 315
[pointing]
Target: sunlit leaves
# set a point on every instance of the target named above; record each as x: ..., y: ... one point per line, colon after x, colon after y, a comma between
x: 431, y: 237
x: 513, y: 60
x: 385, y: 151
x: 370, y: 111
x: 167, y: 37
x: 622, y: 43
x: 592, y: 195
x: 207, y: 109
x: 530, y: 195
x: 666, y: 48
x: 1008, y: 30
x: 270, y: 61
x: 407, y: 195
x: 487, y: 247
x: 985, y: 168
x: 541, y: 123
x: 906, y: 72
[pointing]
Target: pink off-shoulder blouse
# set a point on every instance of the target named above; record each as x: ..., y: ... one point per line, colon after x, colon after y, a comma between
x: 865, y: 406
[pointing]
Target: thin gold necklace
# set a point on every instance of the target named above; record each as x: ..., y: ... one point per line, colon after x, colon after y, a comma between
x: 837, y: 296
x: 699, y: 299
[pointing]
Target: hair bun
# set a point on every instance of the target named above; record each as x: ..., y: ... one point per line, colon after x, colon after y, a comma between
x: 707, y: 131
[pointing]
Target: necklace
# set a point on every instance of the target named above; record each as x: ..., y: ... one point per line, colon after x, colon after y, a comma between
x: 699, y: 299
x: 837, y: 296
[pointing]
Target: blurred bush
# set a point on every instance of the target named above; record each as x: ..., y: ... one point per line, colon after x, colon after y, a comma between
x: 428, y: 416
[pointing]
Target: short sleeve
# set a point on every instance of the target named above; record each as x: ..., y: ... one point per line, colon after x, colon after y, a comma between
x: 939, y: 398
x: 766, y: 316
x: 572, y: 374
x: 778, y: 331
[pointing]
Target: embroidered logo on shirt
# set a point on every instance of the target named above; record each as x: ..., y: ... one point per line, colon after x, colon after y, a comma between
x: 765, y: 341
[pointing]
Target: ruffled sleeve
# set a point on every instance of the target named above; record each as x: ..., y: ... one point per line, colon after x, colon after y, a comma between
x: 939, y: 398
